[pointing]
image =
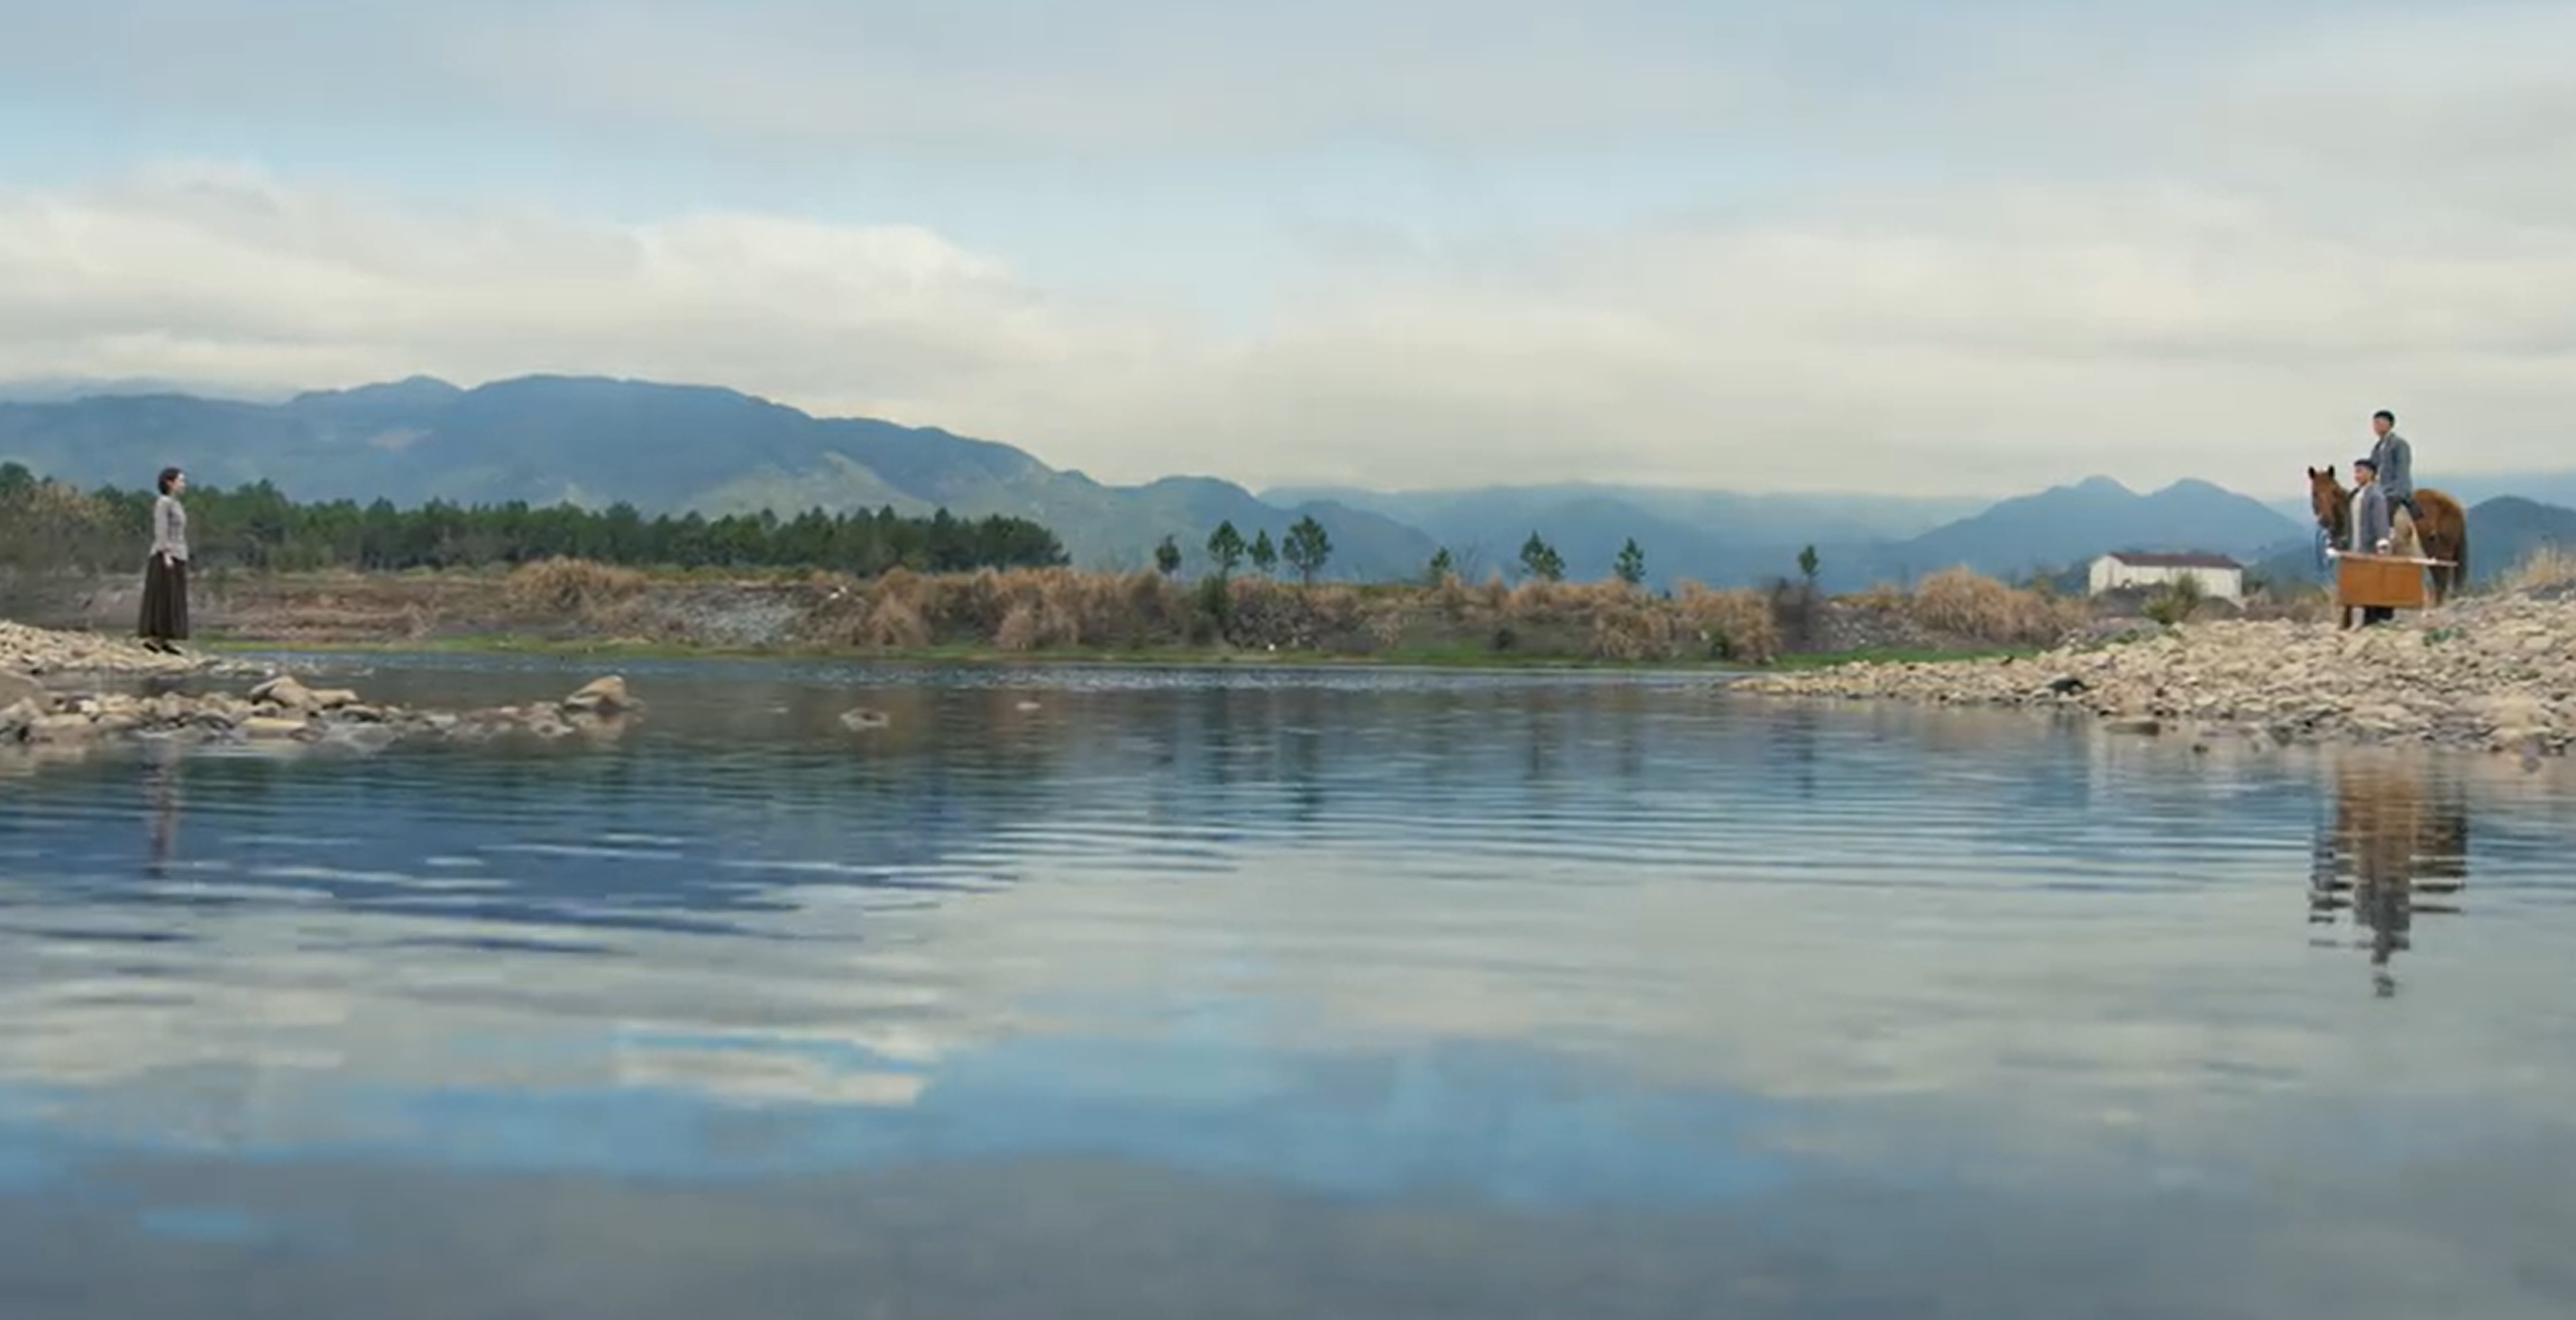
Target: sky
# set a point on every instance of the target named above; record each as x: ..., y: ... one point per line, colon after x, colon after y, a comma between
x: 1968, y: 248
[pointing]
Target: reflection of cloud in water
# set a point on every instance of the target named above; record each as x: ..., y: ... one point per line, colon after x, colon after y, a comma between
x: 758, y: 1075
x: 2051, y: 952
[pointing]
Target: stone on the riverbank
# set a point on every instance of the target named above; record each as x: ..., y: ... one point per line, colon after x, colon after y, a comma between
x: 286, y: 692
x: 601, y: 696
x: 15, y: 688
x: 65, y: 728
x: 40, y: 651
x: 283, y: 710
x: 2490, y: 672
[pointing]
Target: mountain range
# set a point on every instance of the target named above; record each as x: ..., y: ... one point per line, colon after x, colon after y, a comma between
x: 594, y: 441
x: 591, y: 441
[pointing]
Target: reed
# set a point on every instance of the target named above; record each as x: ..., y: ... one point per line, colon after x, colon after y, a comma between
x: 576, y: 591
x: 1041, y: 610
x: 2545, y: 568
x: 1964, y: 604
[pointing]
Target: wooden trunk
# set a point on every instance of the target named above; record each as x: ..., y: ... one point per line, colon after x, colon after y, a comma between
x: 2379, y: 580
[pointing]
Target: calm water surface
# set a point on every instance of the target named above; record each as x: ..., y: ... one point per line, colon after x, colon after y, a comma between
x: 1124, y: 994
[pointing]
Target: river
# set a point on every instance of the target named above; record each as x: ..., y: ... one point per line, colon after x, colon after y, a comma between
x: 1127, y: 993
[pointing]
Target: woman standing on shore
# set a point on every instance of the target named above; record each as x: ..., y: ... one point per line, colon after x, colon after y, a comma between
x: 165, y: 577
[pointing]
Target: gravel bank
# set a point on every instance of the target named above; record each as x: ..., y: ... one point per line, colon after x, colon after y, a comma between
x: 44, y: 712
x: 2497, y: 673
x: 42, y: 651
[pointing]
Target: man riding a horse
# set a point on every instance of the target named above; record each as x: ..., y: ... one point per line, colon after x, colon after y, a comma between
x: 2393, y: 460
x: 2424, y: 524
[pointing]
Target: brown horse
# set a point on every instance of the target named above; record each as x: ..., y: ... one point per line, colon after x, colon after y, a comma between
x: 2440, y: 523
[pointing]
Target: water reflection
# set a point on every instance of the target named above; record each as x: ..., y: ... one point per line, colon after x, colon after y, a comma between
x: 1122, y: 996
x: 161, y: 797
x: 2398, y: 833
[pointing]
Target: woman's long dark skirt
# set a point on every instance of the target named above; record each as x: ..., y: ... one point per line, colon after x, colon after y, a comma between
x: 165, y: 600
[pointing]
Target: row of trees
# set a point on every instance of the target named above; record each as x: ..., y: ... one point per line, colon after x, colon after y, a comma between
x: 1307, y: 548
x: 49, y: 525
x: 1541, y: 562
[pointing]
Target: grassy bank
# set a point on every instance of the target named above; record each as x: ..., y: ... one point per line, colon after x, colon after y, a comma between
x: 572, y: 607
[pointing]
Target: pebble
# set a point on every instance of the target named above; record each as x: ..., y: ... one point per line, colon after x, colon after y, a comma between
x: 2496, y: 673
x: 28, y: 651
x: 281, y: 709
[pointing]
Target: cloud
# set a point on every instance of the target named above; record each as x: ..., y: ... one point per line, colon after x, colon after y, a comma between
x: 2027, y: 241
x: 1929, y: 1006
x: 993, y: 74
x: 1976, y: 78
x: 2154, y: 332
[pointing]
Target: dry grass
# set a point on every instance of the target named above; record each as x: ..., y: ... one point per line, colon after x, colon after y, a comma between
x: 2546, y: 567
x: 1039, y: 610
x: 1035, y: 611
x: 570, y: 590
x: 1882, y: 598
x: 1738, y: 624
x: 1957, y: 602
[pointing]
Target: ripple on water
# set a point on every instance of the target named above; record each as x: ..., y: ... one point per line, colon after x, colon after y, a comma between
x: 1400, y: 958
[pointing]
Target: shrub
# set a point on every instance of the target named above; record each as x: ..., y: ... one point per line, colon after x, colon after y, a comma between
x: 1634, y: 633
x: 1968, y: 605
x: 2173, y: 603
x: 2546, y: 567
x: 1735, y: 625
x: 569, y: 589
x: 894, y: 623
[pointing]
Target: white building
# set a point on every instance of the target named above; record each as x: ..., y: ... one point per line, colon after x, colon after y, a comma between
x: 2221, y: 578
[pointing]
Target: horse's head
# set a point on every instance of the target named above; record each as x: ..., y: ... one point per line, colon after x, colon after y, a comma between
x: 2327, y: 497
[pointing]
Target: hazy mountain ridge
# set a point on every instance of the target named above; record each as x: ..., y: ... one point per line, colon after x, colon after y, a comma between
x: 2070, y: 524
x: 597, y: 441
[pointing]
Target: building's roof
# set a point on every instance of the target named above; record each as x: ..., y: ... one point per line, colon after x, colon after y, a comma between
x: 2142, y: 559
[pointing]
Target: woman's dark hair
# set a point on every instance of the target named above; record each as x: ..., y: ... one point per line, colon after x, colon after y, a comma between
x: 168, y: 475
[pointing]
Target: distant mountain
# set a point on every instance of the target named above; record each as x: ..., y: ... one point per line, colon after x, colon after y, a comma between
x: 2505, y: 531
x: 2548, y: 489
x: 2064, y: 525
x: 591, y: 441
x: 1715, y: 537
x: 65, y: 389
x: 596, y: 441
x: 1729, y: 539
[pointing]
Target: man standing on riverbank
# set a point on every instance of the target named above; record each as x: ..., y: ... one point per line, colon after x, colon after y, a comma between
x: 2371, y: 527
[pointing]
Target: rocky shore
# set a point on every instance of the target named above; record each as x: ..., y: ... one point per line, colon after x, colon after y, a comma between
x: 2497, y: 673
x: 55, y: 694
x: 37, y: 652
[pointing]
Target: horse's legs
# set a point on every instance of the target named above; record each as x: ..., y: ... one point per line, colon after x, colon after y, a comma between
x: 2445, y: 577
